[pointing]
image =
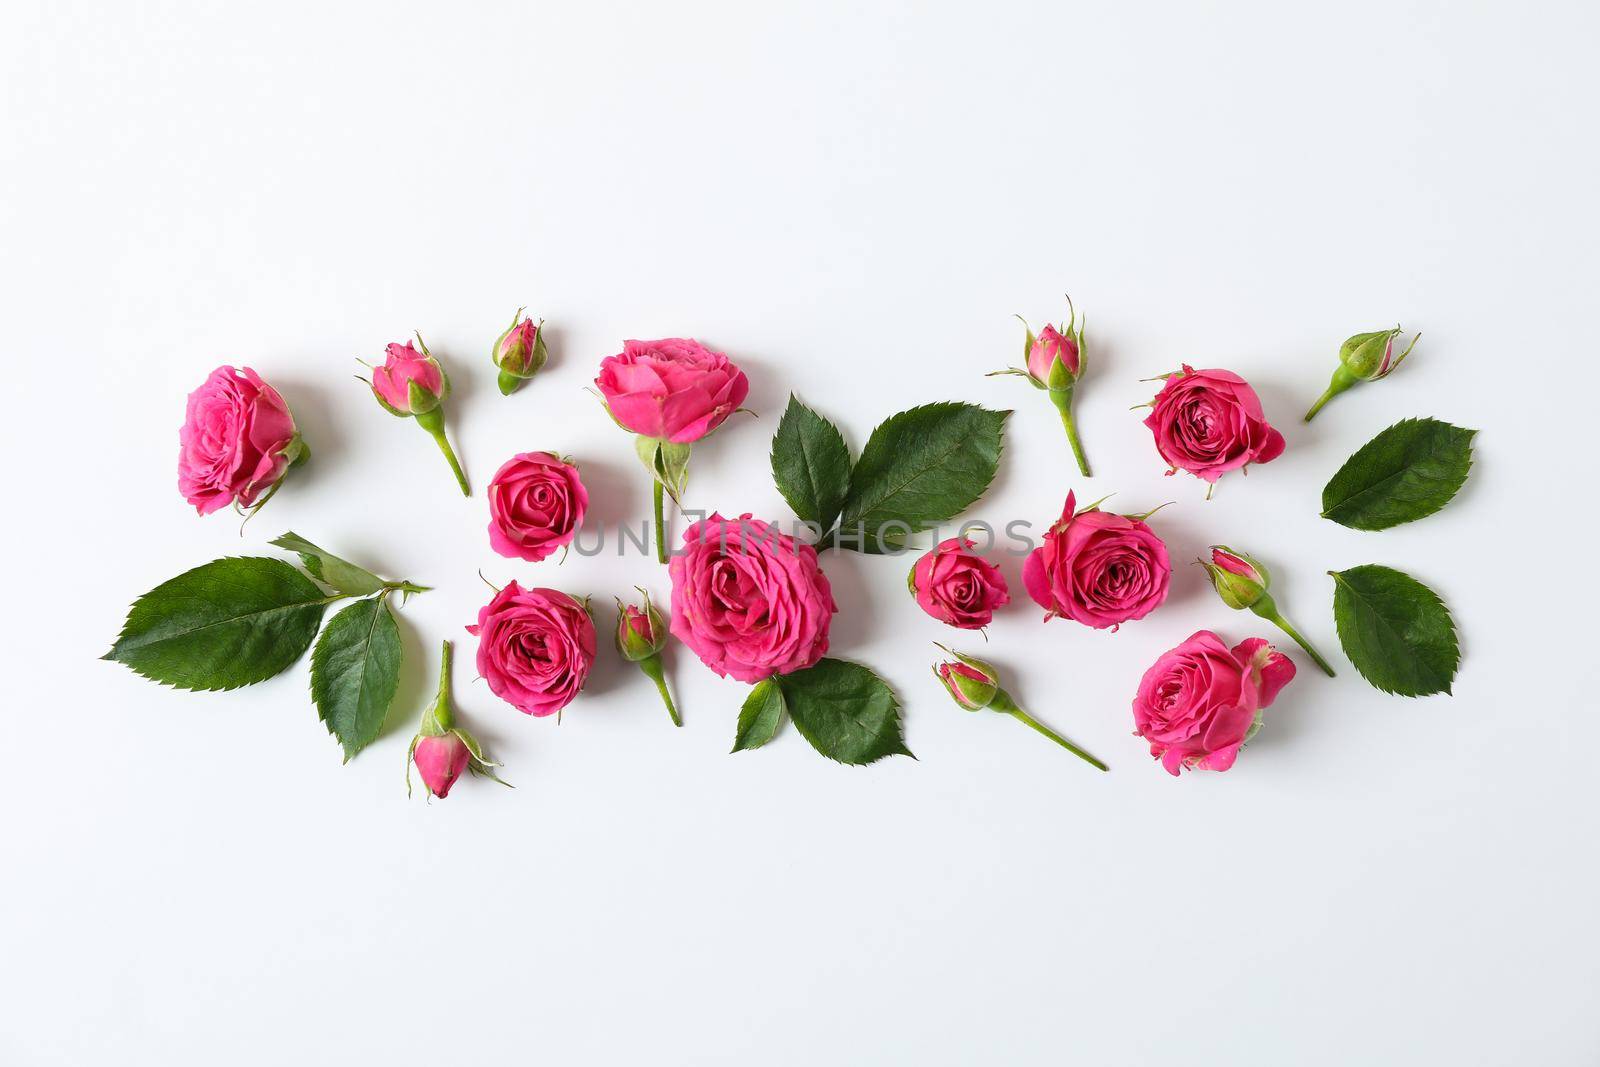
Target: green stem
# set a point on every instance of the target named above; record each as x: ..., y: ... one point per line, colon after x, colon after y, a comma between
x: 1342, y: 380
x: 661, y: 521
x: 442, y: 714
x: 433, y: 422
x: 1267, y: 610
x: 1062, y: 399
x: 651, y: 665
x: 1003, y: 702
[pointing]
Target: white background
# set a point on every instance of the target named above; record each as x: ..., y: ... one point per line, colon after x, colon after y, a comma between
x: 851, y: 200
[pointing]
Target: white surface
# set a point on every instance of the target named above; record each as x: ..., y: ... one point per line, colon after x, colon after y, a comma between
x: 852, y: 203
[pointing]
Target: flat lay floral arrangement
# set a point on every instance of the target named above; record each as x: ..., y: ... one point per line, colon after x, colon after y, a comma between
x: 750, y: 596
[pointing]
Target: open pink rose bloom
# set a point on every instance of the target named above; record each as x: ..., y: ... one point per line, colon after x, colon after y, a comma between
x: 238, y: 440
x: 673, y: 389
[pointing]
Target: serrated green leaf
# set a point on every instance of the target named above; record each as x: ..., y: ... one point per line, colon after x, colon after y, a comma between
x: 1396, y: 630
x: 810, y: 465
x: 919, y: 468
x: 847, y: 713
x: 1407, y: 472
x: 355, y: 670
x: 760, y: 716
x: 330, y: 569
x: 227, y: 623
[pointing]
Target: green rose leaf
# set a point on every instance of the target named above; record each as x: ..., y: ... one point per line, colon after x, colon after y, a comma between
x: 847, y: 713
x: 760, y: 716
x: 1407, y: 472
x: 228, y: 623
x: 1395, y: 630
x: 326, y: 567
x: 919, y: 468
x: 355, y: 671
x: 810, y: 465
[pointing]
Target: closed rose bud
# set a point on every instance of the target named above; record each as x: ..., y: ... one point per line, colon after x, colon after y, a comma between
x: 641, y: 635
x: 520, y: 352
x: 975, y: 685
x: 412, y: 384
x: 641, y: 632
x: 1238, y: 579
x: 1053, y: 358
x: 1054, y: 361
x: 440, y: 761
x: 1242, y: 581
x: 971, y: 683
x: 441, y: 750
x: 1366, y: 357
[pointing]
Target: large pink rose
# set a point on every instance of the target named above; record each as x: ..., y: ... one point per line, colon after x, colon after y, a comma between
x: 535, y: 648
x: 1209, y: 422
x: 536, y: 504
x: 957, y: 586
x: 674, y: 389
x: 1202, y: 700
x: 751, y: 602
x: 1098, y: 568
x: 237, y: 441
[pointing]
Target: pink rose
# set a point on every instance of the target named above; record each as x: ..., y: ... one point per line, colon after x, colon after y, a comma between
x: 750, y: 601
x: 1098, y: 568
x: 674, y: 389
x: 237, y: 441
x: 536, y: 504
x: 957, y: 586
x: 409, y: 382
x: 1202, y: 700
x: 1209, y: 422
x: 535, y: 648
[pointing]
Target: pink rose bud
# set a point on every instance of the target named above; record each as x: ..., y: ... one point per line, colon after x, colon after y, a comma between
x: 1242, y: 581
x: 957, y: 586
x: 520, y: 352
x: 1202, y: 700
x: 412, y: 384
x: 641, y: 635
x: 1210, y: 422
x: 1053, y: 361
x: 975, y: 685
x: 440, y: 761
x: 1366, y: 357
x: 237, y: 442
x: 441, y: 750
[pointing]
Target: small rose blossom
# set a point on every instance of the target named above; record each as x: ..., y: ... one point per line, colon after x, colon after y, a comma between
x: 973, y: 687
x: 1201, y: 700
x: 957, y: 586
x: 409, y: 382
x: 519, y: 353
x: 237, y: 441
x: 1365, y: 357
x: 536, y: 504
x: 440, y: 761
x: 641, y: 635
x: 749, y: 601
x: 1209, y: 422
x: 535, y: 648
x: 1098, y: 568
x: 674, y: 389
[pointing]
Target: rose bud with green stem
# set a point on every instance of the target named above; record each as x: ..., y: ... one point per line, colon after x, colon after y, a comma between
x: 441, y: 749
x: 412, y: 384
x: 1241, y: 581
x: 1366, y: 357
x: 975, y: 685
x: 519, y: 353
x: 641, y: 635
x: 1054, y: 360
